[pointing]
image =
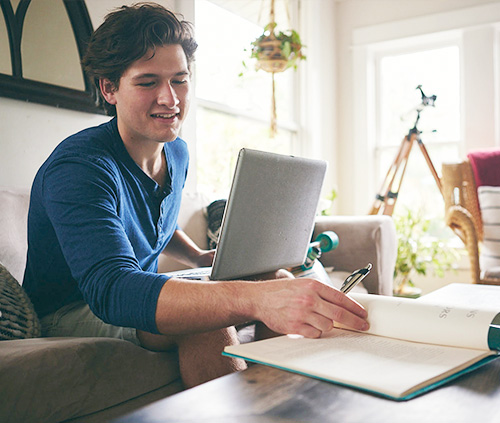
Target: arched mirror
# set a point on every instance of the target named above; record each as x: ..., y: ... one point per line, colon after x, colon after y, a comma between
x: 41, y: 46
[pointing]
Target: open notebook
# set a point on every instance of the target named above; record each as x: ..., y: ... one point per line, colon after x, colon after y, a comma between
x: 269, y: 216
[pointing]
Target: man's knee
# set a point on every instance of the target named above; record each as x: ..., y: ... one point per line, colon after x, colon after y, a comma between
x: 213, y: 340
x: 201, y: 359
x: 156, y: 342
x: 205, y: 340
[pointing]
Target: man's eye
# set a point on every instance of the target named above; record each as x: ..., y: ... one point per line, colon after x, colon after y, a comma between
x: 146, y: 84
x: 180, y: 81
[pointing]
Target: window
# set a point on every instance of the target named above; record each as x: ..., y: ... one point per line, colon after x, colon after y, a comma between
x: 233, y: 111
x: 452, y: 54
x: 437, y: 71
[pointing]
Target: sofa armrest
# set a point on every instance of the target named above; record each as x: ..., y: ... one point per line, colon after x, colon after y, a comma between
x: 362, y: 240
x: 64, y: 378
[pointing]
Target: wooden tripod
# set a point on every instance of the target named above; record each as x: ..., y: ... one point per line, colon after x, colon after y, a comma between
x: 386, y: 198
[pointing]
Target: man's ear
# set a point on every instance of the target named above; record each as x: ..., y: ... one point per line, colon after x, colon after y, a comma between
x: 108, y: 90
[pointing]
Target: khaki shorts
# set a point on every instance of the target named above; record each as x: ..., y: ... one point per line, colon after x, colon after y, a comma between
x: 76, y: 319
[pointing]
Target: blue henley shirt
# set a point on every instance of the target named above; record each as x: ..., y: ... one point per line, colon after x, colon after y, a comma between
x: 96, y: 226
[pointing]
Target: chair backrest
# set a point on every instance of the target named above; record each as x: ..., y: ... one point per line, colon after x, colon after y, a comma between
x: 459, y: 189
x: 463, y: 213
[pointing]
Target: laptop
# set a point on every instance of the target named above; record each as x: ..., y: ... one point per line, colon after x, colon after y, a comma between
x: 269, y: 216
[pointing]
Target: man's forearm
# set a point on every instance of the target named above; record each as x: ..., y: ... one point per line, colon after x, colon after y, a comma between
x: 186, y: 306
x: 298, y: 306
x: 183, y: 249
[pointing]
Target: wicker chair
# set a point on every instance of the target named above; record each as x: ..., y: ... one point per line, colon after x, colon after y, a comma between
x: 463, y: 215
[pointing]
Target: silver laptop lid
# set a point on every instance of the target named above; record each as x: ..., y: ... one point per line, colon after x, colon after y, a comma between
x: 270, y: 213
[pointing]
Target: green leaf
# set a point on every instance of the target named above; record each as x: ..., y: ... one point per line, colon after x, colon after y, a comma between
x: 286, y: 49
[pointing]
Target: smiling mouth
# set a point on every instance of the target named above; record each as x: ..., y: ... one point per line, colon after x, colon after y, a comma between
x: 165, y: 115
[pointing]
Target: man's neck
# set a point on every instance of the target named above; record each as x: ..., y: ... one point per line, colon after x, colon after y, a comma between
x: 155, y: 168
x: 150, y: 158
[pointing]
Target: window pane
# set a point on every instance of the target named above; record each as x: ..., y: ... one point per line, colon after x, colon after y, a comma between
x: 419, y: 190
x: 220, y: 137
x: 437, y: 71
x: 234, y: 107
x: 219, y: 64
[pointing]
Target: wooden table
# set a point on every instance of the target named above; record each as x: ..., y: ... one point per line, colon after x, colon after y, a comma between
x: 263, y: 394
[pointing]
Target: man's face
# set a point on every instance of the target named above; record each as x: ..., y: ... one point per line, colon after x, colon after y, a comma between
x: 152, y: 99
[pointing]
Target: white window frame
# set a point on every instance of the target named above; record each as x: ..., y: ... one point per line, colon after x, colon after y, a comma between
x: 315, y: 96
x: 187, y: 9
x: 476, y: 32
x: 418, y: 44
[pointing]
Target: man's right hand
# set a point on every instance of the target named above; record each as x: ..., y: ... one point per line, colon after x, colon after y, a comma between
x: 285, y: 305
x: 305, y: 307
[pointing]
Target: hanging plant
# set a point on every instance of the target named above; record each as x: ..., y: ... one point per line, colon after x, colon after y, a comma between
x: 277, y: 52
x: 274, y: 53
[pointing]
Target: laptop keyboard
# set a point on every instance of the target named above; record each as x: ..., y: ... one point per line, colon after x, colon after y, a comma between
x: 198, y: 273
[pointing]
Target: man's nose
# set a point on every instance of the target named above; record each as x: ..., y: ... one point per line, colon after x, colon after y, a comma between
x: 167, y: 96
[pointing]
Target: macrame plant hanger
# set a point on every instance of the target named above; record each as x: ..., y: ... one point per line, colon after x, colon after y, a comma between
x: 272, y: 62
x: 276, y: 54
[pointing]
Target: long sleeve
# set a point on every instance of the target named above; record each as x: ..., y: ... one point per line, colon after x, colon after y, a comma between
x: 97, y: 224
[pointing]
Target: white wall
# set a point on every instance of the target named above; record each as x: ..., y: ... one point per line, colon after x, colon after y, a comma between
x: 317, y: 103
x: 29, y: 132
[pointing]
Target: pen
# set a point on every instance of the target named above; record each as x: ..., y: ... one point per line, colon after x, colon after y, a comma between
x: 355, y: 277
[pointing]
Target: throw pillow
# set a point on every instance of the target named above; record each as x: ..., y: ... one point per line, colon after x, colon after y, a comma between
x: 486, y: 167
x: 18, y: 318
x: 215, y: 212
x: 489, y: 203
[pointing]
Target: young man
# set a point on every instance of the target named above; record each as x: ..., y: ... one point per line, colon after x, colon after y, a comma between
x: 105, y: 204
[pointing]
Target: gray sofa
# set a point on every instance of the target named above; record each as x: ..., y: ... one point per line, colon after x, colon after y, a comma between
x: 97, y: 379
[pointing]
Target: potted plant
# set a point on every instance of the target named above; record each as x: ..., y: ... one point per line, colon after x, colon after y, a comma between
x: 274, y: 53
x: 277, y: 52
x: 326, y: 203
x: 418, y: 253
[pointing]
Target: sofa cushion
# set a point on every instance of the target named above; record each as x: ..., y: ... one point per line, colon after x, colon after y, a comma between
x: 489, y: 203
x: 55, y: 379
x: 18, y: 318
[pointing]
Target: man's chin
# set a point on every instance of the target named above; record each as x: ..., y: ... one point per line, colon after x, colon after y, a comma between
x: 168, y: 136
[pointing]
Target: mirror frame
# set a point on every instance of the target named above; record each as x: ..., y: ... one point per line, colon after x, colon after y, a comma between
x: 16, y: 87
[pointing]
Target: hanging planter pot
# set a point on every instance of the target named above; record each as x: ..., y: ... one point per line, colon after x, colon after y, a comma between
x: 276, y: 53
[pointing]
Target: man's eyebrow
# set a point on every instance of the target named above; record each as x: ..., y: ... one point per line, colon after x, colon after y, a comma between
x: 154, y: 75
x: 145, y: 75
x: 182, y: 73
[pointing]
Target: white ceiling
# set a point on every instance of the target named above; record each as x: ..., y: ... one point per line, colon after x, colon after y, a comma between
x: 257, y: 11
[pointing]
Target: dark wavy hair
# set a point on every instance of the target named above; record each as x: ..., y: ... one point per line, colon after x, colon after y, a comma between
x: 126, y: 35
